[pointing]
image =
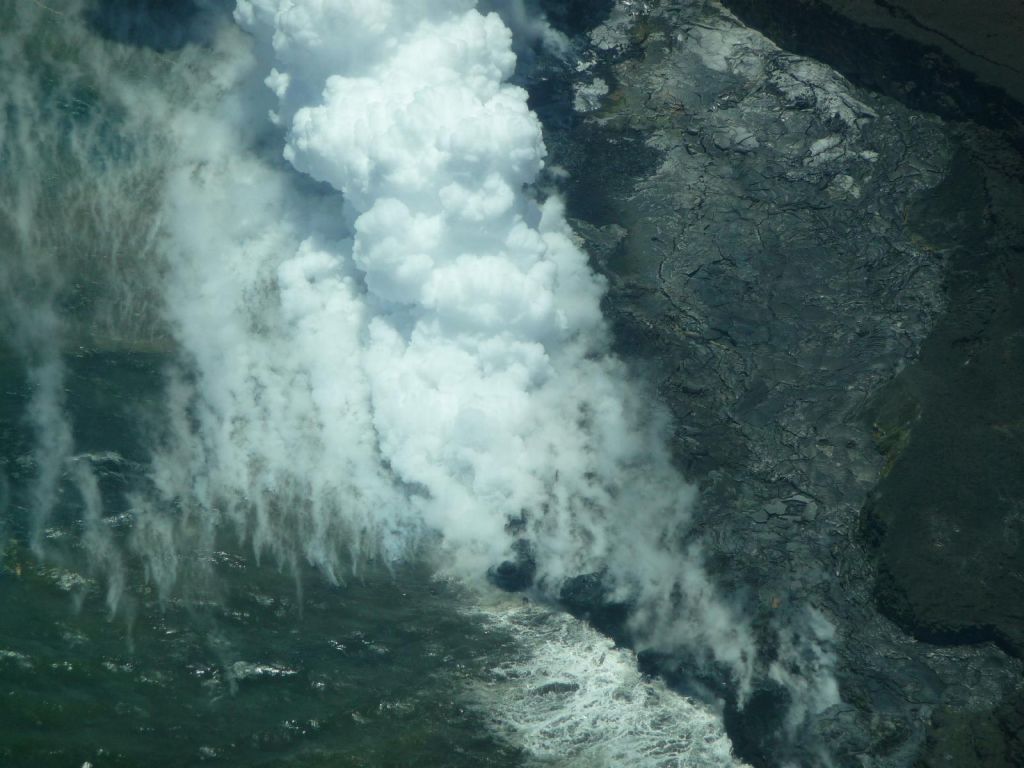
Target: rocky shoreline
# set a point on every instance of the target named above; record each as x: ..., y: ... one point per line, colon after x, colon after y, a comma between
x: 791, y: 256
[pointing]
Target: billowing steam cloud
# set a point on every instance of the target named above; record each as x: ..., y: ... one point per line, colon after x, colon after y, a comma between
x: 421, y: 357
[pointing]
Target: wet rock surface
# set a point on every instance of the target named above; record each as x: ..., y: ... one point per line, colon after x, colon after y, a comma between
x: 793, y: 257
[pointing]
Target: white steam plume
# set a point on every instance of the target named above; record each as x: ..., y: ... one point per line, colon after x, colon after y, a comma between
x: 421, y: 356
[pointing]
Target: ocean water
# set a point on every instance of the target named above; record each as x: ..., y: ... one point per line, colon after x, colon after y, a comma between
x: 141, y: 624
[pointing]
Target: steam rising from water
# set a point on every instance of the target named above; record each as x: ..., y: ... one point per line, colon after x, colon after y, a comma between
x: 423, y: 354
x: 409, y: 356
x: 72, y: 268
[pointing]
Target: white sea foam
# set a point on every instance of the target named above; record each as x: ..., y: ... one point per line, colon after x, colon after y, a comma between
x: 568, y: 697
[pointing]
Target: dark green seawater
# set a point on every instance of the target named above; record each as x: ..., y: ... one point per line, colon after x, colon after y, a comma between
x: 264, y: 667
x: 368, y: 674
